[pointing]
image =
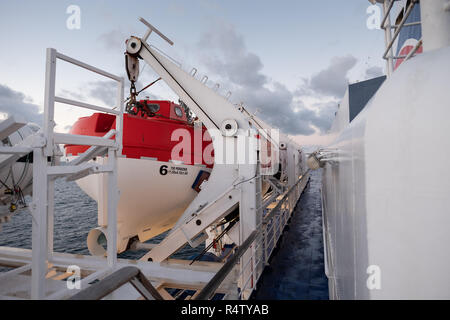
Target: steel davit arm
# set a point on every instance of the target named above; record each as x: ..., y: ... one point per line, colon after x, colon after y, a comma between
x: 224, y: 122
x: 210, y: 107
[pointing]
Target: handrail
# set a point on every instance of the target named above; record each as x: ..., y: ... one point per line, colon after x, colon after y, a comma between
x: 210, y: 288
x: 86, y: 66
x: 414, y: 50
x: 277, y: 207
x: 400, y: 26
x: 86, y: 105
x: 388, y: 11
x: 117, y: 279
x: 409, y: 24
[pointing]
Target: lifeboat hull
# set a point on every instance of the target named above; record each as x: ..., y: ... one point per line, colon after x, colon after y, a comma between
x: 151, y: 201
x: 156, y: 184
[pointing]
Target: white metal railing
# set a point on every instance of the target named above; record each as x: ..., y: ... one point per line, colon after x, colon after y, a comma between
x: 251, y: 270
x: 51, y: 98
x: 44, y: 173
x: 271, y: 228
x: 129, y: 274
x: 390, y: 39
x: 260, y: 244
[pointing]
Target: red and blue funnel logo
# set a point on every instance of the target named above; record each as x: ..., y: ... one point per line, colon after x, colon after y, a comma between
x: 409, y: 35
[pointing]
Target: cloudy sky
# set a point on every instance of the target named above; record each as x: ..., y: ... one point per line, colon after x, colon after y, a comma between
x: 289, y: 61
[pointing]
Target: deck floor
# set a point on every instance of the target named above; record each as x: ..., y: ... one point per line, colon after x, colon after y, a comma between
x: 296, y: 270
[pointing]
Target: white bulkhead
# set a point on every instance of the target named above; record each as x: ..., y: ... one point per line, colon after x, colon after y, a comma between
x: 386, y: 189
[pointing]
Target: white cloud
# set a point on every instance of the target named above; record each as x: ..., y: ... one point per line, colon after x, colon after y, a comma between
x: 374, y: 72
x: 14, y: 102
x: 333, y: 80
x: 224, y: 53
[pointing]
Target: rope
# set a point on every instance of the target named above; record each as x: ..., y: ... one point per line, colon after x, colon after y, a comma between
x: 232, y: 223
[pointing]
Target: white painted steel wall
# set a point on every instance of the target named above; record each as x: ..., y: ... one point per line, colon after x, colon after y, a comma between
x: 386, y: 192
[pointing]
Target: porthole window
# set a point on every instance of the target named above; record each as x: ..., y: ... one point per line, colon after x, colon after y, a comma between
x: 153, y: 107
x: 178, y: 112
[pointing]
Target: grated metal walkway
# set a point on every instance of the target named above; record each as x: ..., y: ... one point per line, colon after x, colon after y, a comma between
x: 296, y: 270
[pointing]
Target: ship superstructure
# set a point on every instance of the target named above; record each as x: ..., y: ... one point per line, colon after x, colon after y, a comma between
x: 385, y: 203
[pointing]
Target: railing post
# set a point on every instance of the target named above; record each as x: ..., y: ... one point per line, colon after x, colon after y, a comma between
x: 264, y: 234
x: 280, y: 221
x: 274, y: 231
x: 50, y: 216
x: 41, y: 209
x: 119, y: 118
x: 388, y: 37
x: 39, y: 224
x: 112, y: 209
x: 49, y: 100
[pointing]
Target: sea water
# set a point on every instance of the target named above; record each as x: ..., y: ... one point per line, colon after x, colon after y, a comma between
x: 75, y: 215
